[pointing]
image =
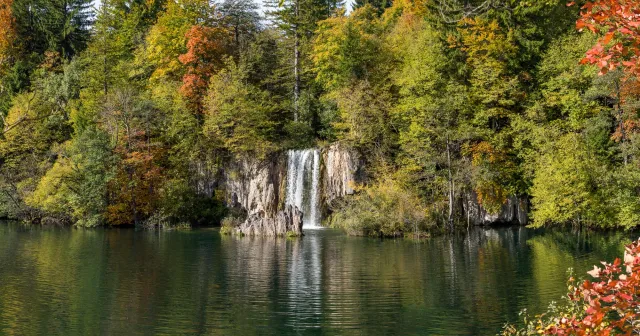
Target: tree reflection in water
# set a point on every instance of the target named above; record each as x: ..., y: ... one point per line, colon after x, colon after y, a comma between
x: 77, y: 282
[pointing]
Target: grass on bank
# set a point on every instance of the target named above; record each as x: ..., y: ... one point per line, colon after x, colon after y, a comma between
x: 383, y: 209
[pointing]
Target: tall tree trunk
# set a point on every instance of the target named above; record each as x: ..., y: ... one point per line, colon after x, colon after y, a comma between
x: 134, y: 206
x: 104, y: 57
x: 468, y: 211
x: 106, y: 89
x: 451, y: 186
x: 296, y: 64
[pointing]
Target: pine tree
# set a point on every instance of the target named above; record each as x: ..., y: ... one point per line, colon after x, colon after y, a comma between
x: 242, y: 19
x: 379, y: 5
x: 60, y: 26
x: 298, y: 20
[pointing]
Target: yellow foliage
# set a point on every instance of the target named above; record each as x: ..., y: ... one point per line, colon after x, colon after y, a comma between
x: 484, y: 152
x: 482, y: 39
x: 167, y: 38
x: 50, y: 194
x: 23, y: 126
x: 386, y: 208
x: 7, y: 31
x: 491, y: 196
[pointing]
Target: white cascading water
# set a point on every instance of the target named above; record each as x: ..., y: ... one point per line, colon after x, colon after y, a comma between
x: 303, y: 185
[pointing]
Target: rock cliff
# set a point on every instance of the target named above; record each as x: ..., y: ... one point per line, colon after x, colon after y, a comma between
x: 514, y: 211
x: 342, y: 170
x: 257, y: 189
x: 256, y: 186
x: 285, y: 222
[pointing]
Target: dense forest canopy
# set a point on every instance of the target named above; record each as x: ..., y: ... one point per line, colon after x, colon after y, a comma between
x: 110, y: 114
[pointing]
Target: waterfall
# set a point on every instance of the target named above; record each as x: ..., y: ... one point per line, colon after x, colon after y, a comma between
x: 303, y: 185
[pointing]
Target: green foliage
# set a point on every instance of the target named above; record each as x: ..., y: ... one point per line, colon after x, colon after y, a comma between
x: 77, y: 181
x: 385, y: 209
x: 573, y: 160
x: 565, y: 185
x: 239, y: 116
x: 350, y: 48
x: 379, y: 5
x: 179, y: 203
x: 364, y: 118
x: 300, y: 17
x: 431, y: 113
x: 52, y: 25
x: 351, y: 61
x: 34, y: 126
x: 293, y: 234
x: 229, y: 223
x: 132, y: 123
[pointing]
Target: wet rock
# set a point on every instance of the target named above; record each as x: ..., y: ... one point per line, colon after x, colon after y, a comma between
x: 257, y: 189
x: 284, y: 222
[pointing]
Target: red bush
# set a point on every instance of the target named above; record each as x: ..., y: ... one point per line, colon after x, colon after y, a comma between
x: 608, y: 305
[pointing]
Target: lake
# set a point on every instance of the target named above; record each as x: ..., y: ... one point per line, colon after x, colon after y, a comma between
x: 65, y: 281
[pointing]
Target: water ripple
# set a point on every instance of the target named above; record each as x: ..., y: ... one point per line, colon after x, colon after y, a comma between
x: 122, y: 282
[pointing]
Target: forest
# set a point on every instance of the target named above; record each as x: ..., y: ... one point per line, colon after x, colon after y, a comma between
x: 108, y: 109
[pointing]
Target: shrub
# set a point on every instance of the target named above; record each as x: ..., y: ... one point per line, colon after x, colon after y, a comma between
x: 228, y: 224
x: 384, y: 209
x: 609, y: 305
x: 293, y: 234
x: 180, y: 203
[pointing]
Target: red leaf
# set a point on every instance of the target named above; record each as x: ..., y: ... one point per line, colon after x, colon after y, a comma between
x: 608, y: 298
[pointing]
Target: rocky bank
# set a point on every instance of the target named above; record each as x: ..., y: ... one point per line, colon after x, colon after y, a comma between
x: 257, y: 189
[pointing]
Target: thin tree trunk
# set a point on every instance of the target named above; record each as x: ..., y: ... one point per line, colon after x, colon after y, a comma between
x: 451, y: 193
x: 134, y: 206
x: 468, y: 211
x: 621, y: 121
x: 104, y: 56
x: 296, y: 64
x: 237, y: 37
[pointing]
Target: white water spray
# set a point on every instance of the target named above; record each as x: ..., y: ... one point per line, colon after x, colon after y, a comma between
x: 303, y: 185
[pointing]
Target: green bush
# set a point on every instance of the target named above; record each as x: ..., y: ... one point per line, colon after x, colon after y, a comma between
x: 228, y: 224
x: 180, y: 203
x: 384, y: 209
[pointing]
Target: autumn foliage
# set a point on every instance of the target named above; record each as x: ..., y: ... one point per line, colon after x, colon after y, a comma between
x: 486, y: 158
x: 619, y: 20
x: 7, y: 30
x: 608, y: 305
x: 134, y: 188
x: 206, y: 50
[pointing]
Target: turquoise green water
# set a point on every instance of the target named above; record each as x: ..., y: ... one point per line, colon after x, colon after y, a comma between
x: 61, y: 281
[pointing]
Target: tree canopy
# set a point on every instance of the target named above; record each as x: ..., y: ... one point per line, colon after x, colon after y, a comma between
x: 125, y: 114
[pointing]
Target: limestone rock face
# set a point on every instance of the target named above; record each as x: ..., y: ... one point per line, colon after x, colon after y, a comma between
x: 203, y: 177
x: 284, y: 222
x: 342, y: 170
x: 257, y: 189
x: 514, y: 211
x: 256, y: 186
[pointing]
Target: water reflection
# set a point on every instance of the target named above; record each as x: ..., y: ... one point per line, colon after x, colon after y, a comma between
x: 90, y: 282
